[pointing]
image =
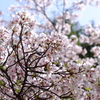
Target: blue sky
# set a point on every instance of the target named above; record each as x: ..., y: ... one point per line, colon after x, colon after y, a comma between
x: 90, y: 13
x: 4, y: 4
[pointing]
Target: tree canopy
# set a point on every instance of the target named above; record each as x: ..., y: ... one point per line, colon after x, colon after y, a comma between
x: 49, y: 58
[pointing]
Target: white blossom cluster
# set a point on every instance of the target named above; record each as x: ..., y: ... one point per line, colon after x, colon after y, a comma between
x: 44, y: 61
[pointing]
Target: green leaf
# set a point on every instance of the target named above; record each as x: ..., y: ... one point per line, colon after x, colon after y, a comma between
x: 17, y: 90
x: 88, y: 95
x: 78, y: 61
x: 1, y: 82
x: 92, y: 66
x: 87, y: 89
x: 18, y: 82
x: 66, y: 65
x: 71, y: 99
x: 98, y: 78
x: 1, y: 67
x: 56, y: 63
x: 34, y: 75
x: 36, y: 96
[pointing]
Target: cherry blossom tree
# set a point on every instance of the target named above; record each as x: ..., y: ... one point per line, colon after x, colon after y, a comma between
x: 40, y: 58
